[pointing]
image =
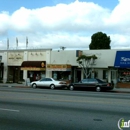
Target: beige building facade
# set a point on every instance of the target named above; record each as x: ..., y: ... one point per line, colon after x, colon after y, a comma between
x: 12, y: 60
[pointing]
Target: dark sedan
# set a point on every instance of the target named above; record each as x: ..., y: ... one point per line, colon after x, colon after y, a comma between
x: 91, y: 83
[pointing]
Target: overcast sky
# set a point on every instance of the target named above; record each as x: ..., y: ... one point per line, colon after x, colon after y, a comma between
x: 68, y: 23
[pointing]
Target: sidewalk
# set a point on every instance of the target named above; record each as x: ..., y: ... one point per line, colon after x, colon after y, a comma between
x: 16, y: 85
x: 122, y: 90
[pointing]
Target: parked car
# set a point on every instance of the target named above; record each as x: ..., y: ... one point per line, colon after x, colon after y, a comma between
x: 92, y: 83
x: 48, y: 82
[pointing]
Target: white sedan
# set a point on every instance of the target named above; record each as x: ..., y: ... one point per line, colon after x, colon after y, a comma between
x: 48, y: 82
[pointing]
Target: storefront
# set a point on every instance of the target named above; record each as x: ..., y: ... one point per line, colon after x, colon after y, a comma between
x: 35, y: 69
x: 60, y: 71
x: 14, y: 74
x: 18, y: 65
x: 122, y: 63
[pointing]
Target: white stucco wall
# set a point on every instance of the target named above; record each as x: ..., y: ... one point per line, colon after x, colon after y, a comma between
x: 36, y: 55
x: 105, y: 57
x: 64, y: 57
x: 48, y: 61
x: 100, y: 71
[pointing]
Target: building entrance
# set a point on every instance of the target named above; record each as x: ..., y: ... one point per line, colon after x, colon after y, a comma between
x: 77, y: 75
x: 14, y: 74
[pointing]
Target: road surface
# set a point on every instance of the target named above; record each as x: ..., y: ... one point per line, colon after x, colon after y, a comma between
x: 45, y: 109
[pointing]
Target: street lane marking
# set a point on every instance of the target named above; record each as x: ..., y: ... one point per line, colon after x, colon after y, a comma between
x: 3, y: 109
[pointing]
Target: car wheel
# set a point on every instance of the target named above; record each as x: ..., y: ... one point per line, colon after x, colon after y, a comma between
x: 98, y: 88
x: 34, y: 85
x: 71, y: 87
x: 52, y: 86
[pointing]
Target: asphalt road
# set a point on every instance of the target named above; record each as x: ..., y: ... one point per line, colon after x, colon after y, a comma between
x: 45, y: 109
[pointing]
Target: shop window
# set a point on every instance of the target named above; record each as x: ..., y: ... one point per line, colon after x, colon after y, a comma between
x: 61, y: 75
x: 124, y: 75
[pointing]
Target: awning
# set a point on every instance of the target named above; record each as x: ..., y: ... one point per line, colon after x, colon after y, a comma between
x: 58, y: 67
x: 33, y: 65
x: 122, y: 59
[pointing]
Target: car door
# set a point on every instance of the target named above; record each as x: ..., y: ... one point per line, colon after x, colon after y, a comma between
x: 41, y: 82
x: 92, y: 83
x: 48, y: 82
x: 78, y: 84
x: 84, y: 83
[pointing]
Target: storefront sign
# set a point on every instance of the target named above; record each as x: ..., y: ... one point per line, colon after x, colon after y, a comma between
x: 122, y: 59
x: 56, y: 67
x: 32, y: 68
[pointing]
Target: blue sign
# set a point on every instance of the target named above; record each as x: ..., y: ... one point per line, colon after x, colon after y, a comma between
x: 122, y: 59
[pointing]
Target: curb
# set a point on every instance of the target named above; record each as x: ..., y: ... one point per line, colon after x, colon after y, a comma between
x: 121, y: 90
x: 21, y: 86
x: 16, y: 86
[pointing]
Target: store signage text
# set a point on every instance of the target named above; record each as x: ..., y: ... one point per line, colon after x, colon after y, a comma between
x: 125, y: 60
x: 32, y: 68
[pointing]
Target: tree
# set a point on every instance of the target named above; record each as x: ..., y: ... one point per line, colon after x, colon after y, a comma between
x: 100, y: 40
x: 86, y: 62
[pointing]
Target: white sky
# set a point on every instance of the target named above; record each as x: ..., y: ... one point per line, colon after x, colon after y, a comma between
x: 70, y: 25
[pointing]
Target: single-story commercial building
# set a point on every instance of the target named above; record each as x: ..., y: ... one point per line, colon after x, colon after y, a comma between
x: 18, y: 65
